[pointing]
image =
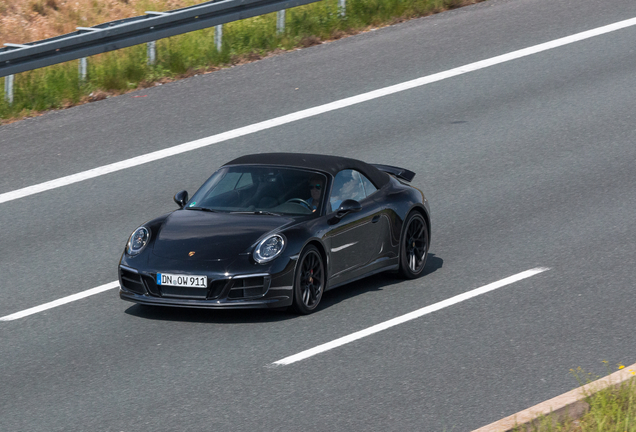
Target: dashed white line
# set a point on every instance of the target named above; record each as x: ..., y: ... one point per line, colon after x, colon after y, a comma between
x: 321, y: 348
x: 408, y: 317
x: 311, y: 112
x: 61, y: 301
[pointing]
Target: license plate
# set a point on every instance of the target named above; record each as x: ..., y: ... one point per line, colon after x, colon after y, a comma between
x: 192, y: 281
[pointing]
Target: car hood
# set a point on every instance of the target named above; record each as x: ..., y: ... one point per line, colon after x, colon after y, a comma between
x: 197, y: 235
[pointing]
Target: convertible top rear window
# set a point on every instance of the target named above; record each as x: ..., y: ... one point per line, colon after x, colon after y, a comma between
x: 262, y: 190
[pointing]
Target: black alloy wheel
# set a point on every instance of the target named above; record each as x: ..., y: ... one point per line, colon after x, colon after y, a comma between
x: 309, y: 281
x: 414, y: 246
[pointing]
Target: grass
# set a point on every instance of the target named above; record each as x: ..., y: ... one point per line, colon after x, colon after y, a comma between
x: 124, y: 70
x: 611, y: 410
x: 29, y: 20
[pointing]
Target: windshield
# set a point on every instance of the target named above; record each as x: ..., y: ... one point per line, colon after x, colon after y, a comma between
x: 261, y: 190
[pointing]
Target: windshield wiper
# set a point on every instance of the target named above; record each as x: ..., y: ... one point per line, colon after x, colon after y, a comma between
x: 257, y: 212
x: 201, y: 209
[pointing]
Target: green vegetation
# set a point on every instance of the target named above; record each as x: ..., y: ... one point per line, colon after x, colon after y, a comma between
x: 116, y: 72
x: 611, y: 410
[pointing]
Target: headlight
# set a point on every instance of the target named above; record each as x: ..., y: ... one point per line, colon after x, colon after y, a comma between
x: 269, y: 248
x: 138, y: 240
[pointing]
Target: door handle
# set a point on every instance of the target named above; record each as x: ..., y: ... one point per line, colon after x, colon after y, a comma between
x: 375, y: 218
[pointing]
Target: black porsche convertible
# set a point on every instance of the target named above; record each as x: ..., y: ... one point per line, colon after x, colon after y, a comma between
x: 277, y: 230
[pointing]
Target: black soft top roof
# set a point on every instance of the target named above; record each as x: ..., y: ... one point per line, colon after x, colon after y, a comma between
x: 330, y: 164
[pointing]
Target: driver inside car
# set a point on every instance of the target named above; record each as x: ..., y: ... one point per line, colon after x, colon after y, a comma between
x: 316, y: 185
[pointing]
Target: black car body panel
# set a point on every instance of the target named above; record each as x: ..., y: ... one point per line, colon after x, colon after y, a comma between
x: 215, y: 236
x: 220, y: 244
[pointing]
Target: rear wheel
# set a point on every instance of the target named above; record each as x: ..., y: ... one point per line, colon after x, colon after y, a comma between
x: 309, y: 281
x: 414, y: 246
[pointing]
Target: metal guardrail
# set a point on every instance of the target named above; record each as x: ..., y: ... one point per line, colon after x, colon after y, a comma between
x: 114, y: 35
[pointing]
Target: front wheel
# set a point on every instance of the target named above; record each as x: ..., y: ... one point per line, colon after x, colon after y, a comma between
x: 309, y: 281
x: 414, y: 246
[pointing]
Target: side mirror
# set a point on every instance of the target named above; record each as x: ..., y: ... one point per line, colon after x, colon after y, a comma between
x: 181, y: 198
x: 346, y: 207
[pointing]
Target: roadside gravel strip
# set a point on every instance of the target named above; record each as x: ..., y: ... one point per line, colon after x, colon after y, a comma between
x: 570, y: 404
x: 311, y: 112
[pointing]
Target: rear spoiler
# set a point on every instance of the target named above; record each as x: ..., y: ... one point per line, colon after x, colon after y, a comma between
x: 401, y: 173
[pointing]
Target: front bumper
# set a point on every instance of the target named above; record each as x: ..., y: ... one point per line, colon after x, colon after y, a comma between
x: 283, y: 301
x: 265, y: 289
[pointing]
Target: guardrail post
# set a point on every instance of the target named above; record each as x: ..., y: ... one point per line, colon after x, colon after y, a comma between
x: 90, y: 41
x: 342, y: 7
x: 151, y: 53
x: 83, y: 68
x: 8, y: 89
x: 280, y: 21
x: 218, y: 37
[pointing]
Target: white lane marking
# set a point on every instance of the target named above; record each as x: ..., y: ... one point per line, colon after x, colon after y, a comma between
x: 379, y: 327
x: 408, y: 317
x: 342, y: 247
x: 60, y: 302
x: 311, y: 112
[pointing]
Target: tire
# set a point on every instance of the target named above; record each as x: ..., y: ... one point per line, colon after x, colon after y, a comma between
x: 413, y: 246
x: 309, y: 281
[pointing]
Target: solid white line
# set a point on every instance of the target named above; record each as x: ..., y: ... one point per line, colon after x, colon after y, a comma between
x: 311, y: 112
x: 408, y: 317
x: 60, y: 302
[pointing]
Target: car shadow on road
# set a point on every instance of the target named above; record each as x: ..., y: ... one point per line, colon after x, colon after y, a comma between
x: 242, y: 316
x: 373, y: 283
x: 212, y: 316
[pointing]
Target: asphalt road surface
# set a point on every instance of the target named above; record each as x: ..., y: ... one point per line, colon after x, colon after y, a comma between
x: 527, y: 163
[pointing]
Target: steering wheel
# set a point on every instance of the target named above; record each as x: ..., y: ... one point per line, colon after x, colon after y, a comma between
x: 299, y: 201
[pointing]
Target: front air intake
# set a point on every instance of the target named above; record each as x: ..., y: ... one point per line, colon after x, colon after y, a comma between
x: 131, y: 281
x: 249, y: 287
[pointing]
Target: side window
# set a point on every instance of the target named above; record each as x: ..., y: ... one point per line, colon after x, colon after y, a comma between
x: 231, y: 181
x: 225, y: 184
x: 245, y: 180
x: 368, y: 186
x: 346, y: 185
